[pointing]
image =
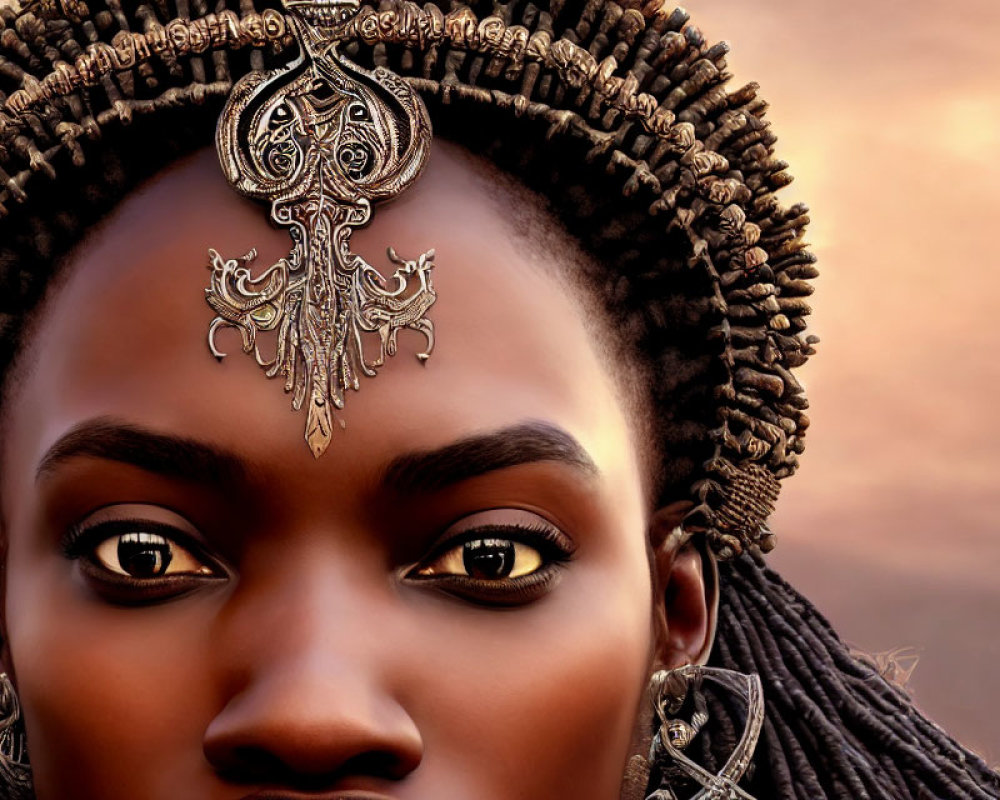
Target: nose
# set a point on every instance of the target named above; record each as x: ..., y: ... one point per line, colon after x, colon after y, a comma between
x: 310, y: 691
x: 312, y: 731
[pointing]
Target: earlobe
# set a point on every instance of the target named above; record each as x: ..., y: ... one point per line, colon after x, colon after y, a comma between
x: 685, y: 584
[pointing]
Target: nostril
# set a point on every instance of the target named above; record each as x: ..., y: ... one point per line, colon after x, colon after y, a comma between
x: 257, y: 765
x: 377, y: 764
x: 252, y: 764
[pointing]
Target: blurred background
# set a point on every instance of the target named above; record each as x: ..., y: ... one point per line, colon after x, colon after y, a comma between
x: 889, y: 114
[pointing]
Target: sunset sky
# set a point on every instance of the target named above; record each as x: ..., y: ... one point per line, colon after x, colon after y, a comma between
x: 889, y: 114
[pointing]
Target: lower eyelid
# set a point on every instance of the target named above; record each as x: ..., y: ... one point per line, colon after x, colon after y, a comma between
x: 124, y: 590
x: 519, y: 591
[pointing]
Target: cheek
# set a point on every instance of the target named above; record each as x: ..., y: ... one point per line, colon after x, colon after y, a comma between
x: 115, y: 699
x: 544, y: 698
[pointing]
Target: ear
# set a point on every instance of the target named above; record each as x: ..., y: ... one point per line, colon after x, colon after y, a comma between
x: 685, y: 609
x: 686, y: 591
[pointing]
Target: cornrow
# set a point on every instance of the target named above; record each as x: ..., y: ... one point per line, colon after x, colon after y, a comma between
x: 619, y: 114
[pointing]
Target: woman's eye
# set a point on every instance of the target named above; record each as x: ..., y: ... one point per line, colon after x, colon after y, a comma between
x: 133, y: 554
x: 499, y: 557
x: 147, y: 555
x: 487, y: 559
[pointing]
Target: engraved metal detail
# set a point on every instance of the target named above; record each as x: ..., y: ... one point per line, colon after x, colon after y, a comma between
x: 15, y: 771
x: 323, y: 140
x: 670, y: 690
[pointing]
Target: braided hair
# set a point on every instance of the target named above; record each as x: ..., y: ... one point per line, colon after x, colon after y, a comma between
x: 667, y: 177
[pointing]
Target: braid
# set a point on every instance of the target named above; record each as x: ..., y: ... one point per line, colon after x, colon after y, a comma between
x: 834, y: 727
x: 665, y: 176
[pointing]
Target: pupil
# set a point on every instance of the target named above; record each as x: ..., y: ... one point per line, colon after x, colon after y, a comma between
x: 488, y: 559
x: 144, y: 555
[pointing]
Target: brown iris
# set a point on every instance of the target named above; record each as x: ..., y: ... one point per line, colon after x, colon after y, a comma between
x: 488, y: 559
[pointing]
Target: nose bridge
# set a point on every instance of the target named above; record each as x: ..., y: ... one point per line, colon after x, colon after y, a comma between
x: 303, y: 661
x: 303, y: 597
x: 307, y: 605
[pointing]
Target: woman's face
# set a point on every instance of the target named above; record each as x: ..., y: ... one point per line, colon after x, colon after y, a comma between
x: 453, y: 602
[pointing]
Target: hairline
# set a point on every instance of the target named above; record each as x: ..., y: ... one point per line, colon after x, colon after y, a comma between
x: 529, y: 214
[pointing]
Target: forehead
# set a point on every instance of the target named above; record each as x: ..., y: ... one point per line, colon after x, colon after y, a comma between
x: 125, y: 334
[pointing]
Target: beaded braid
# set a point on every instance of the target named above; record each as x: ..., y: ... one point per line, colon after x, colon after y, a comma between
x: 620, y: 116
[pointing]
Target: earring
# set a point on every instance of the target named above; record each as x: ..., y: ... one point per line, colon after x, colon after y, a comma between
x: 15, y: 772
x: 675, y: 689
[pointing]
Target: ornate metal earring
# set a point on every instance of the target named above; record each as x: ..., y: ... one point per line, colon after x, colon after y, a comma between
x: 15, y: 772
x: 675, y: 689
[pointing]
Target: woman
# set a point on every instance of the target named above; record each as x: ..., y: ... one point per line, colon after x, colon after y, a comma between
x: 470, y: 577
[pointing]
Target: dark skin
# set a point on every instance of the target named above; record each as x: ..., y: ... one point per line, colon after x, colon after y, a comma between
x: 318, y: 631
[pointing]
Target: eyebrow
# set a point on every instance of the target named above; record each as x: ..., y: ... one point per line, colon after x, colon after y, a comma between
x: 165, y: 454
x: 412, y: 473
x: 527, y: 443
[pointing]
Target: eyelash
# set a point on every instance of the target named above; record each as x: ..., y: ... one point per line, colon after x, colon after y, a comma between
x: 80, y: 544
x: 552, y: 546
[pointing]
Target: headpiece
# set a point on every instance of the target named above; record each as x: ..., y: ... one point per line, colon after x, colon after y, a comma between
x: 672, y: 186
x: 321, y: 140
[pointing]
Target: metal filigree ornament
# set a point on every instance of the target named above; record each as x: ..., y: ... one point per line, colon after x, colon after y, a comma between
x: 323, y: 140
x: 671, y: 691
x: 15, y: 771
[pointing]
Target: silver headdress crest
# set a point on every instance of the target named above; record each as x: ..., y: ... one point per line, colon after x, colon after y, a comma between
x: 323, y: 140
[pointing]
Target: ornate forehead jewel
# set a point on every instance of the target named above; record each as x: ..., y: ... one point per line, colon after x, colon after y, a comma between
x: 323, y: 140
